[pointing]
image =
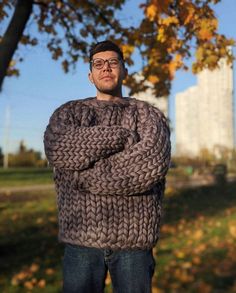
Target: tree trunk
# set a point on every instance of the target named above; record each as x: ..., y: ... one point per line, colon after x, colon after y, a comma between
x: 13, y: 34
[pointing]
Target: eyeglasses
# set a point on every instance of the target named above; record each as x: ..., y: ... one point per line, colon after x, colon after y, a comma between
x: 98, y: 63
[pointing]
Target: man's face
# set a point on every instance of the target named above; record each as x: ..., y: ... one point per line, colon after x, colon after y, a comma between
x: 109, y: 78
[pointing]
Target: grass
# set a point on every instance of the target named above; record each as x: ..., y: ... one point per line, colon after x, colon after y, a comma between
x: 30, y: 255
x: 197, y: 249
x: 196, y: 252
x: 25, y: 176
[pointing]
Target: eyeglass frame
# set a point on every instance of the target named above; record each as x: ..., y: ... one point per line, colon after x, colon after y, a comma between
x: 105, y: 60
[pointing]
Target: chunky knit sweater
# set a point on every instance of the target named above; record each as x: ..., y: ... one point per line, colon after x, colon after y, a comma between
x: 110, y: 160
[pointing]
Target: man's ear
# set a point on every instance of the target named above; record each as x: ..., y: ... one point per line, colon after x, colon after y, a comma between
x: 90, y: 76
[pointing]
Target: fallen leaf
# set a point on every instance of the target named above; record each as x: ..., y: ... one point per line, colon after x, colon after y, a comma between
x: 41, y: 283
x: 28, y: 285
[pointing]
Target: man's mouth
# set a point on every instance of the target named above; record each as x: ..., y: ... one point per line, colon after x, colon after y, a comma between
x: 107, y: 77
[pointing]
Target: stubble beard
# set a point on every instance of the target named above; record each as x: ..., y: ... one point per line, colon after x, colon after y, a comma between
x: 112, y: 90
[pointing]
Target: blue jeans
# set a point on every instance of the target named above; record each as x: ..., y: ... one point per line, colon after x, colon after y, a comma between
x: 85, y: 270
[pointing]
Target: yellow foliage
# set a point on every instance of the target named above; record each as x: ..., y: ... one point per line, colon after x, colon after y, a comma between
x: 175, y: 64
x: 167, y: 26
x: 127, y: 50
x: 161, y: 36
x: 153, y: 79
x: 199, y: 53
x: 170, y: 20
x: 151, y: 12
x: 173, y: 45
x: 207, y: 27
x: 188, y: 13
x: 205, y: 34
x: 156, y: 8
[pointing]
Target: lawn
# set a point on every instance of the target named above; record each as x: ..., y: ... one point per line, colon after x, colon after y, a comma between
x: 196, y: 252
x: 25, y: 176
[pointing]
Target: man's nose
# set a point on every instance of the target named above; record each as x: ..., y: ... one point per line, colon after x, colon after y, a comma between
x: 106, y: 65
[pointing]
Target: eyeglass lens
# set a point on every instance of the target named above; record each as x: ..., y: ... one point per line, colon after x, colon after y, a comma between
x: 99, y: 63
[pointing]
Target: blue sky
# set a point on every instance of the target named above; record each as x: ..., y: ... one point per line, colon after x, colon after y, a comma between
x: 42, y: 87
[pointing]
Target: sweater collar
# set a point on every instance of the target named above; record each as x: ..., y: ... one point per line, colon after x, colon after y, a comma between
x: 103, y: 103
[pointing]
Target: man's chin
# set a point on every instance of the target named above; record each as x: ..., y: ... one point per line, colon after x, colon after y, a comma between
x: 108, y: 91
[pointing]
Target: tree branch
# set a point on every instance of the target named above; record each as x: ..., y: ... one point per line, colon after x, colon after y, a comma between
x: 13, y: 34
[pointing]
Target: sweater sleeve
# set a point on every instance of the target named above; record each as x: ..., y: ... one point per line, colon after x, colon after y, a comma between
x: 139, y: 167
x: 68, y: 145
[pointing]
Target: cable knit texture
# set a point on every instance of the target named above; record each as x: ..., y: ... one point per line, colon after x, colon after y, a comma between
x: 110, y: 160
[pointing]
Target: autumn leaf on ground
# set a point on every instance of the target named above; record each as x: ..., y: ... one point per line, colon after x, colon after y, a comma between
x: 157, y: 290
x: 232, y: 229
x: 34, y: 268
x: 203, y: 287
x: 197, y: 235
x: 108, y: 279
x: 49, y: 271
x: 29, y: 285
x: 41, y: 283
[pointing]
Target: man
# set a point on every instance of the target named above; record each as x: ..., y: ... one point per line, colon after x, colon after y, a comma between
x: 110, y: 156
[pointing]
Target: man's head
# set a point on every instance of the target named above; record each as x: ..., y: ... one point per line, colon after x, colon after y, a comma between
x: 105, y: 46
x: 107, y: 69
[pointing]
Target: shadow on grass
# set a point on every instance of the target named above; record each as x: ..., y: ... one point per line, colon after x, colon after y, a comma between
x: 196, y: 252
x: 30, y: 255
x: 28, y: 235
x: 189, y: 203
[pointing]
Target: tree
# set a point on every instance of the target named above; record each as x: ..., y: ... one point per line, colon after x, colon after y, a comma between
x: 26, y: 157
x: 167, y: 32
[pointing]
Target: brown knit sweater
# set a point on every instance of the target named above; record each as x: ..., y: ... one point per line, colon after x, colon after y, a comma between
x: 110, y: 160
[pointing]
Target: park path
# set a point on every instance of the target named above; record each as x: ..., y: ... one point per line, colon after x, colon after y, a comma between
x: 171, y: 182
x: 11, y: 189
x: 24, y: 193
